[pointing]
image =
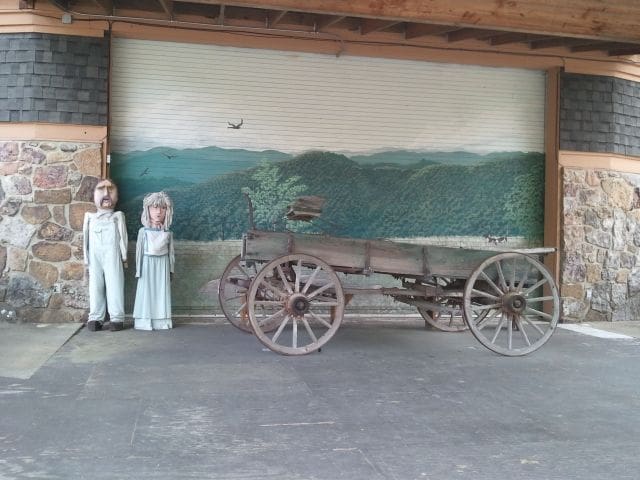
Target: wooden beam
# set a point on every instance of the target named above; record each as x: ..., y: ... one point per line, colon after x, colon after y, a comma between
x: 614, y: 20
x: 624, y: 51
x: 414, y: 30
x: 105, y: 5
x: 507, y: 38
x: 274, y: 17
x: 594, y: 46
x: 555, y: 42
x: 325, y: 21
x: 469, y: 33
x: 167, y: 6
x: 370, y: 25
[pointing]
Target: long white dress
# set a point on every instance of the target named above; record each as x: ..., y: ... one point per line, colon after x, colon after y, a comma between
x: 154, y: 263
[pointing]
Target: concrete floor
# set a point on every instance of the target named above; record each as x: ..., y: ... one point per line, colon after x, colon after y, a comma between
x: 379, y: 402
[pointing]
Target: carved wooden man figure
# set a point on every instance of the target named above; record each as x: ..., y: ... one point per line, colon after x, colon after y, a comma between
x: 105, y: 255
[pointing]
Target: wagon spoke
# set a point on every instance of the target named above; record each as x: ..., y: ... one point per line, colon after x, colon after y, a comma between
x: 509, y: 332
x: 538, y: 313
x: 525, y: 275
x: 311, y: 279
x: 503, y: 282
x: 320, y: 290
x: 539, y: 299
x: 294, y: 335
x: 522, y: 330
x: 490, y: 282
x: 536, y: 285
x: 284, y: 279
x: 484, y: 294
x: 320, y: 319
x: 242, y: 307
x: 486, y: 307
x: 513, y: 272
x: 498, y: 328
x: 528, y: 320
x: 308, y: 329
x: 484, y: 321
x: 280, y: 329
x: 236, y: 297
x: 268, y: 303
x: 298, y: 275
x: 270, y: 317
x: 324, y: 304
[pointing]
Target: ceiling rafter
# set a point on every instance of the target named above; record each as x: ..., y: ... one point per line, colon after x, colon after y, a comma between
x: 105, y: 5
x: 326, y: 21
x: 167, y: 6
x: 275, y: 16
x: 415, y: 30
x: 469, y: 34
x: 370, y: 25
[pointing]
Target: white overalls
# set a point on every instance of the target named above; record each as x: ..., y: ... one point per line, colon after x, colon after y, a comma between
x: 105, y: 250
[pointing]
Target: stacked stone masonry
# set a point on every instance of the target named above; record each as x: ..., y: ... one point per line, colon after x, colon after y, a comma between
x: 46, y: 187
x: 601, y: 246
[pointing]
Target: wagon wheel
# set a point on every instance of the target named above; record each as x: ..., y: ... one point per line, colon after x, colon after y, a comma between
x: 232, y: 292
x: 521, y: 299
x: 303, y: 296
x: 452, y: 321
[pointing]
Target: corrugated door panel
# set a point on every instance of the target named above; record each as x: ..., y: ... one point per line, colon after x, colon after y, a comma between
x: 185, y: 95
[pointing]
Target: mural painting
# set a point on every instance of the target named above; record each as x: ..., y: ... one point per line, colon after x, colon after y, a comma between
x: 395, y: 194
x: 399, y: 149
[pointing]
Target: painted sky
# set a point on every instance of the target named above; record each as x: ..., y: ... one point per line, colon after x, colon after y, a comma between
x: 185, y: 95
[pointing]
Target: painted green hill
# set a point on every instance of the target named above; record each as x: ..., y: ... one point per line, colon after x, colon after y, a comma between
x: 499, y: 197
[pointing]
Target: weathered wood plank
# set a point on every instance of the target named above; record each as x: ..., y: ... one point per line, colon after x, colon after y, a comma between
x: 372, y: 256
x: 613, y: 20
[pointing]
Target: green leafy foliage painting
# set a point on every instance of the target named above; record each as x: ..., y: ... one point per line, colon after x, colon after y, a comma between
x: 395, y: 194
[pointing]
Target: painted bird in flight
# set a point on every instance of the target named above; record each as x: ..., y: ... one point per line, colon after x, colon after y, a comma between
x: 235, y: 125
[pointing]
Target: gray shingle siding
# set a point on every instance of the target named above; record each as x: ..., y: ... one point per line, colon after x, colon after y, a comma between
x: 599, y: 114
x: 56, y: 78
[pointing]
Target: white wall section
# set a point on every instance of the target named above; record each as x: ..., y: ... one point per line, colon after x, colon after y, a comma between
x: 183, y: 96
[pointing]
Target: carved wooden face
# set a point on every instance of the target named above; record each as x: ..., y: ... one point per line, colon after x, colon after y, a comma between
x: 157, y: 215
x: 105, y: 195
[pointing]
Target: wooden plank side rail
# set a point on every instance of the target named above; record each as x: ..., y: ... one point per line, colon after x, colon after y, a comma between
x: 362, y: 256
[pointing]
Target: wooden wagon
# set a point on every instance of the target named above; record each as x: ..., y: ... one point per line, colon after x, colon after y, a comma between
x: 287, y: 288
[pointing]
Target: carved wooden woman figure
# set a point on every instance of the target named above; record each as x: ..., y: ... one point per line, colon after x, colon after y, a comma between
x: 154, y: 264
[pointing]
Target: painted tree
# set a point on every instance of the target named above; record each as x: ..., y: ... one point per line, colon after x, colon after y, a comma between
x: 272, y: 193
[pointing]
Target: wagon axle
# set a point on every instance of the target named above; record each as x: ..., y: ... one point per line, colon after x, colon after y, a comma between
x: 514, y: 303
x: 297, y: 305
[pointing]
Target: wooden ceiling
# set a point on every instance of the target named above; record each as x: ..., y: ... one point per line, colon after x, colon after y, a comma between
x: 591, y: 27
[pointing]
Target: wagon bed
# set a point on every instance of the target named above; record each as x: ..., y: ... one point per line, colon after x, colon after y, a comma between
x: 352, y: 255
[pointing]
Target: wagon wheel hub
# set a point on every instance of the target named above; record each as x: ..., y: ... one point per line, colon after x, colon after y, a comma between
x: 514, y: 303
x: 298, y: 305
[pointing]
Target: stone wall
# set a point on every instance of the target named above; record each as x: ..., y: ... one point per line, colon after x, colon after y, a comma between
x: 46, y: 187
x: 600, y: 277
